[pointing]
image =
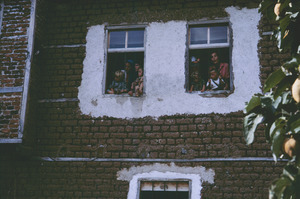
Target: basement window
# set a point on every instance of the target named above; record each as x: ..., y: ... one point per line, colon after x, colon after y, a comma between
x: 209, y: 58
x: 125, y: 60
x: 164, y: 190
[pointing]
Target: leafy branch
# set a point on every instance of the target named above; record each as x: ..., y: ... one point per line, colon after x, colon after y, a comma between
x: 278, y: 108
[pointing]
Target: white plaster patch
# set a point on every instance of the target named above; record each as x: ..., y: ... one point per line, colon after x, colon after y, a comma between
x: 164, y: 65
x: 162, y: 172
x: 245, y: 59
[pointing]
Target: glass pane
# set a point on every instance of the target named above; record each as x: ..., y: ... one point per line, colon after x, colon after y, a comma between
x: 183, y: 186
x: 198, y: 35
x: 135, y: 38
x: 171, y: 186
x: 218, y: 34
x: 146, y: 186
x: 117, y: 39
x: 158, y: 186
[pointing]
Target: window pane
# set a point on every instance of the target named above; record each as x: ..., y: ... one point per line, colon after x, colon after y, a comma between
x: 198, y: 35
x: 117, y: 39
x: 158, y: 186
x: 183, y: 186
x: 135, y: 38
x: 218, y: 34
x: 146, y: 186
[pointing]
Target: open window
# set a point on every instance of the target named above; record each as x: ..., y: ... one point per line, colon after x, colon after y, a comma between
x: 125, y: 51
x: 164, y: 190
x: 209, y: 58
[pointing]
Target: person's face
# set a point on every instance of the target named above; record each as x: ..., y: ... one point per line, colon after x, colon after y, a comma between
x: 214, y: 58
x: 136, y: 66
x: 117, y: 78
x: 127, y: 66
x: 140, y: 72
x: 214, y: 75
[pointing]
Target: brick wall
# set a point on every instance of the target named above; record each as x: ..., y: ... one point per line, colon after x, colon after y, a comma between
x: 13, y: 55
x: 56, y: 127
x: 9, y: 115
x: 13, y: 42
x: 98, y: 179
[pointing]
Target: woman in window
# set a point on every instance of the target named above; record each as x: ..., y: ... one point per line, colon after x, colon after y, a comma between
x: 223, y: 68
x: 130, y: 74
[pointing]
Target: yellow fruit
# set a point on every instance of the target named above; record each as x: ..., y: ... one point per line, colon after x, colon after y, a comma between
x: 277, y: 9
x: 291, y: 147
x: 296, y: 90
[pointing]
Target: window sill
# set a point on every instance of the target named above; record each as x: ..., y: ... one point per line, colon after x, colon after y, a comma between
x: 221, y: 93
x: 123, y: 95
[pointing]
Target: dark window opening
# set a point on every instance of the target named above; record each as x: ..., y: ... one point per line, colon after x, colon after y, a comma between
x: 209, y: 58
x: 125, y: 60
x: 116, y: 62
x: 164, y: 190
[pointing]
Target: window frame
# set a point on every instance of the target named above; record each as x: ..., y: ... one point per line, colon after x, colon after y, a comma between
x: 229, y: 45
x: 108, y: 50
x: 163, y: 180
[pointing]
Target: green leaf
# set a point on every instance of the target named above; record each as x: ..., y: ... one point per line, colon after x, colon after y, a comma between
x: 274, y: 79
x: 277, y: 142
x: 266, y: 100
x: 267, y: 8
x: 295, y: 126
x: 286, y: 97
x: 278, y: 187
x: 277, y: 35
x: 287, y: 42
x: 253, y: 103
x: 276, y: 103
x: 282, y: 86
x: 251, y: 122
x: 267, y: 132
x: 294, y: 16
x: 290, y: 171
x: 284, y: 23
x: 277, y: 126
x: 293, y: 63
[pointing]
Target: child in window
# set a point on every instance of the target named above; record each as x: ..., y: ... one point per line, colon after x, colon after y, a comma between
x: 215, y: 81
x: 195, y: 64
x: 222, y: 67
x: 197, y: 83
x: 118, y: 85
x: 138, y: 85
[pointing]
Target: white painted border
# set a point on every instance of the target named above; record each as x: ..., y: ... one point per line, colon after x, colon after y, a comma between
x: 163, y: 172
x: 10, y: 141
x: 11, y: 89
x: 165, y: 52
x: 30, y: 35
x: 195, y: 182
x: 240, y: 159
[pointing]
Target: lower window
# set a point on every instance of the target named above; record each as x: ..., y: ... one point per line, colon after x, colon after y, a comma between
x: 164, y: 190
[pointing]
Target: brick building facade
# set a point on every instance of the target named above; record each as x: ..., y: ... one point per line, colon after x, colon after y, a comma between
x: 63, y: 137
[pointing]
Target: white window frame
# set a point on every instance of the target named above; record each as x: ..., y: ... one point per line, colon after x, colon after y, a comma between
x: 228, y: 44
x: 195, y: 182
x: 122, y: 50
